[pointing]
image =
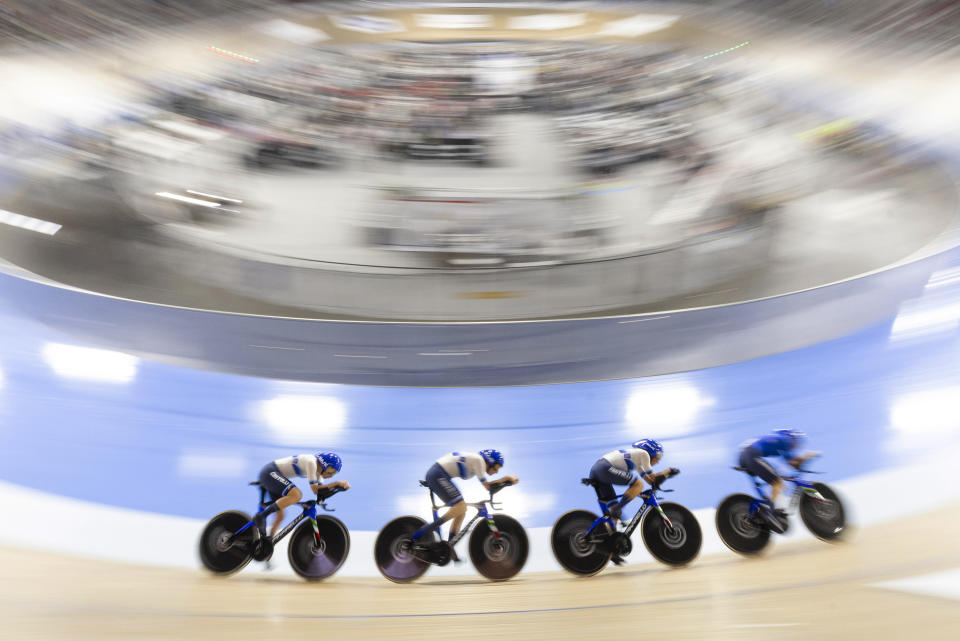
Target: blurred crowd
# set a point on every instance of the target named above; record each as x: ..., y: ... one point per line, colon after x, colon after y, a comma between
x: 612, y: 106
x: 405, y: 109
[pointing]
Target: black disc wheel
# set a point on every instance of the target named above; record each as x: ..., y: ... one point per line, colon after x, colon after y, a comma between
x: 220, y: 551
x: 499, y: 557
x: 674, y: 543
x: 393, y: 550
x: 315, y: 555
x: 824, y: 517
x: 576, y: 551
x: 738, y: 529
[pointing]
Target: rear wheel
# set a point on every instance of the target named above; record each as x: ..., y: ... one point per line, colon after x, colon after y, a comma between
x: 823, y: 517
x: 393, y: 550
x: 316, y: 557
x: 573, y: 549
x: 220, y: 551
x: 738, y: 529
x: 499, y: 558
x: 674, y: 544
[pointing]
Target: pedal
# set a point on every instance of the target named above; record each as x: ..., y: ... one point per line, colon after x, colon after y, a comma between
x: 453, y: 554
x: 264, y: 550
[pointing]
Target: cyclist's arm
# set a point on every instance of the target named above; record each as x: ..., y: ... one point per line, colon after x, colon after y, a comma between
x: 503, y: 479
x: 316, y: 486
x: 797, y: 461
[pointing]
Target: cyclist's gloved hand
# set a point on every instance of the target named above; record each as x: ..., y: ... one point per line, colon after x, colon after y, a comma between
x: 672, y: 472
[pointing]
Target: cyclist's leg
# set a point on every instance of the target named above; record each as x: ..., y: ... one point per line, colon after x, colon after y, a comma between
x: 282, y: 493
x: 606, y: 476
x: 291, y: 498
x: 604, y: 481
x: 752, y: 460
x: 442, y: 485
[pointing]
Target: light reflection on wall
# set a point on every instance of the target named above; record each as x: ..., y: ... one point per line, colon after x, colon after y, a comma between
x: 85, y: 363
x: 664, y: 409
x: 301, y: 420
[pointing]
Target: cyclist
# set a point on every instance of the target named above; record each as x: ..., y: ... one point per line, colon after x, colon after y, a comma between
x: 460, y: 465
x: 783, y: 443
x: 631, y: 467
x: 275, y: 479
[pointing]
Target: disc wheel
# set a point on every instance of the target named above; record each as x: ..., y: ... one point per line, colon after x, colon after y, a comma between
x: 824, y: 518
x: 737, y: 528
x: 572, y: 549
x: 499, y: 558
x: 220, y: 552
x: 315, y: 557
x: 677, y: 543
x: 393, y: 550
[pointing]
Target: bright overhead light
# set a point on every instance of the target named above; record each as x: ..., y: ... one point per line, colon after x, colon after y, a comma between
x: 367, y: 24
x: 927, y: 413
x: 187, y: 199
x: 664, y: 410
x: 637, y: 25
x: 548, y: 21
x: 454, y: 21
x: 87, y: 363
x: 292, y: 31
x: 214, y: 196
x: 304, y: 420
x: 26, y: 222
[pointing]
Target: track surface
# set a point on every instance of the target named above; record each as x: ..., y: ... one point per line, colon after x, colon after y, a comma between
x: 799, y: 591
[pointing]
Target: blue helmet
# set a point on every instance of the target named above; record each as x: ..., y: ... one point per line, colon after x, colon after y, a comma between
x: 796, y: 436
x: 329, y: 459
x: 492, y: 457
x: 650, y: 446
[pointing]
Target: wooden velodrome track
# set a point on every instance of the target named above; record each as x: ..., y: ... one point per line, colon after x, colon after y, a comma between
x: 806, y: 590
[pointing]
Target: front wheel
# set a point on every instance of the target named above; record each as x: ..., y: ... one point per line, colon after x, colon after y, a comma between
x: 738, y: 529
x: 499, y: 558
x: 677, y: 543
x: 220, y: 551
x: 316, y: 555
x: 393, y: 550
x: 823, y: 515
x: 574, y: 549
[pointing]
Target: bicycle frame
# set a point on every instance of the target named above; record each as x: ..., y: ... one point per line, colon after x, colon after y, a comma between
x: 650, y: 501
x: 309, y: 510
x: 800, y: 487
x: 482, y: 513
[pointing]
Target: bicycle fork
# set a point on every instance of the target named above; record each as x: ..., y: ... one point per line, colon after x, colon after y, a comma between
x: 491, y: 524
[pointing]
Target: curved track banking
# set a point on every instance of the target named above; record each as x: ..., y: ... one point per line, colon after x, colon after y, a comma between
x: 800, y: 591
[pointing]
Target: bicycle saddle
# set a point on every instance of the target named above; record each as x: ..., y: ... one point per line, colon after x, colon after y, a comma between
x: 424, y: 484
x: 590, y: 482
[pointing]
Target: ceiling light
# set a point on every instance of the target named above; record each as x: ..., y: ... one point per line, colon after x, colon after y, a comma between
x: 26, y: 222
x: 187, y: 199
x: 454, y: 21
